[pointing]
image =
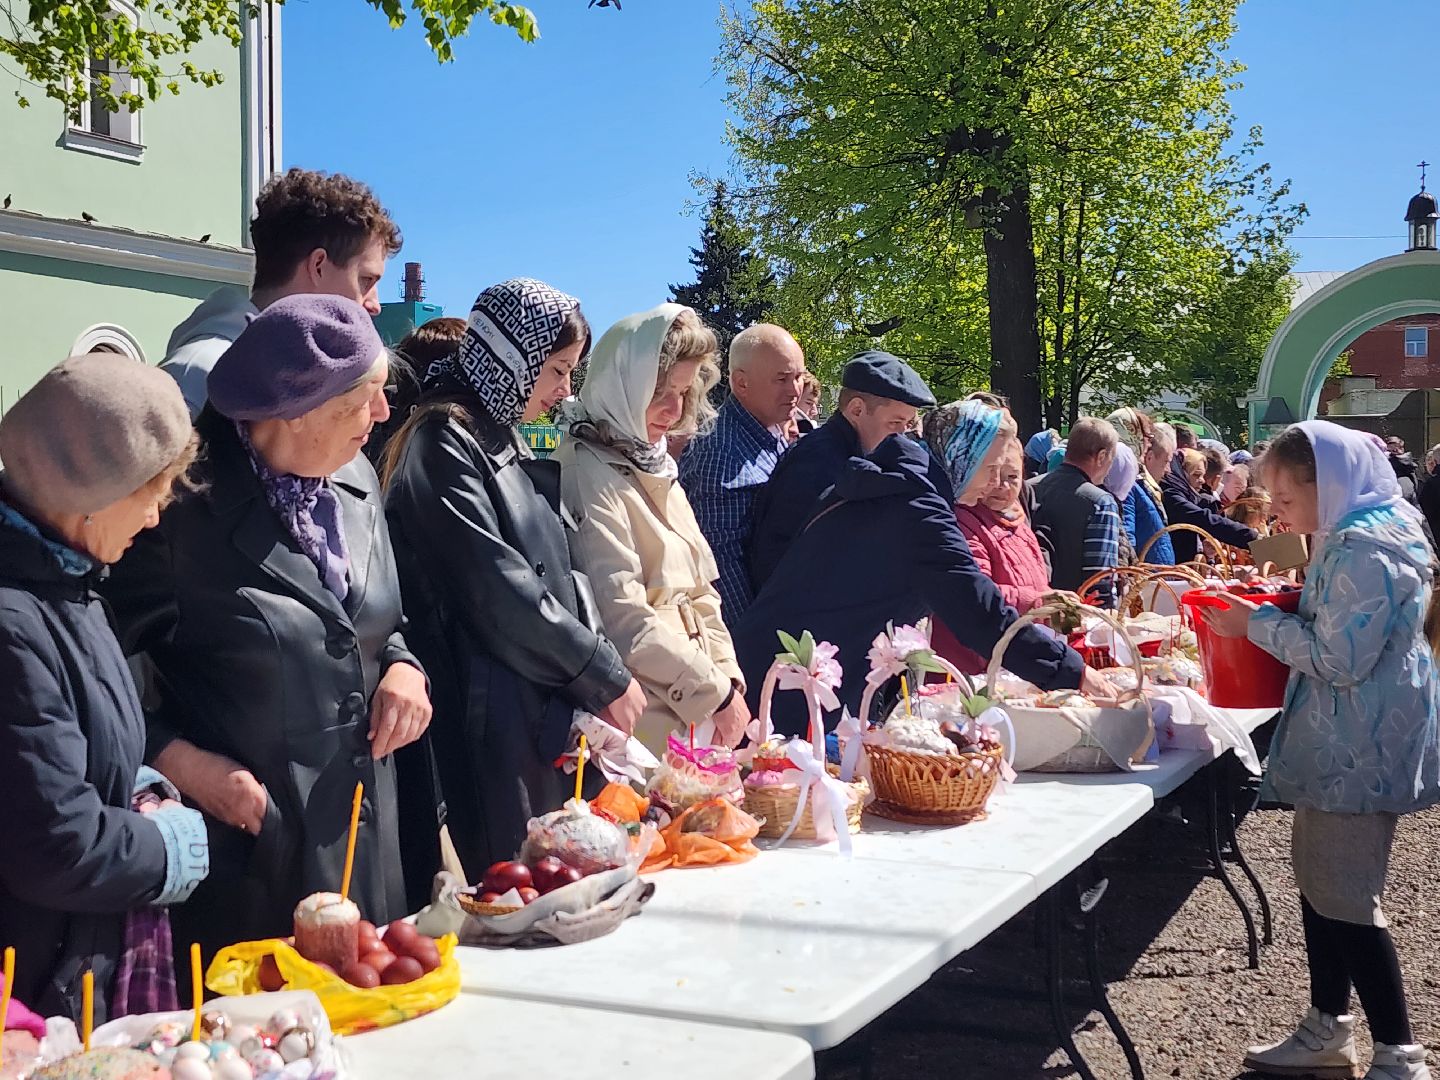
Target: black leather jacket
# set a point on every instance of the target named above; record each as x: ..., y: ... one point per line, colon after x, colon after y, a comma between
x: 501, y: 618
x: 255, y: 659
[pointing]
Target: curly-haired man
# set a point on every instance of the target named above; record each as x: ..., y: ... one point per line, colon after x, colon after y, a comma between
x: 312, y: 232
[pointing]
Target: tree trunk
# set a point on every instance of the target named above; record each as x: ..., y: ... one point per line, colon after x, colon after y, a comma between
x: 1010, y: 288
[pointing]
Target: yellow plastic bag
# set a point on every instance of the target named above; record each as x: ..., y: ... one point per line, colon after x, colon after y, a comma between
x: 236, y: 971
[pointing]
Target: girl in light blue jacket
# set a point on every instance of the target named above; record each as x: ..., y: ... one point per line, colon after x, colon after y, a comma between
x: 1357, y: 743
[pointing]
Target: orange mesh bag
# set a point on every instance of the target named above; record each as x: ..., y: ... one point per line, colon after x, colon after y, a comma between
x: 710, y: 833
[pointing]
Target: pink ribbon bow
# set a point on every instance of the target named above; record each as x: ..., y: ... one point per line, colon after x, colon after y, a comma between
x: 831, y: 798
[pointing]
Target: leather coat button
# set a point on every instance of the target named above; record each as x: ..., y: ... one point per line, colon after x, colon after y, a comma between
x: 677, y: 695
x: 539, y: 569
x: 360, y: 761
x: 354, y: 703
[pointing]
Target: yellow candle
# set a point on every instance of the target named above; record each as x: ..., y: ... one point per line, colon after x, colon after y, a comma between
x: 5, y: 995
x: 87, y: 1007
x: 350, y: 844
x: 196, y: 991
x: 580, y: 769
x: 905, y: 695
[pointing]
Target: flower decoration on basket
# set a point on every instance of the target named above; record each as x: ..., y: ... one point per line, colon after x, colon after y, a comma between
x: 939, y: 755
x: 790, y: 786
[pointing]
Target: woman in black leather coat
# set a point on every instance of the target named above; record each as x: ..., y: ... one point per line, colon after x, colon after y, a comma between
x: 500, y: 618
x: 280, y: 676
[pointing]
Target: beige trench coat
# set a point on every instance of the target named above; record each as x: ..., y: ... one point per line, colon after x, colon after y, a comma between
x: 652, y: 573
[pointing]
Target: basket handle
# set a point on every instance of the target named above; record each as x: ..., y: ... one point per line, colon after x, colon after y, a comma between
x: 1181, y: 526
x: 997, y: 658
x: 767, y: 696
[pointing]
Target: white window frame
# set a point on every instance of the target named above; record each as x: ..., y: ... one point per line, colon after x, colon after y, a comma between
x: 1417, y: 350
x: 107, y: 337
x: 126, y: 146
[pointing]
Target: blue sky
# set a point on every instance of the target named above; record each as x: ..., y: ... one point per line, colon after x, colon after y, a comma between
x: 571, y: 159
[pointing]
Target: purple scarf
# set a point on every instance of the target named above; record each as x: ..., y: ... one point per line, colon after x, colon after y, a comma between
x: 310, y: 510
x: 145, y: 977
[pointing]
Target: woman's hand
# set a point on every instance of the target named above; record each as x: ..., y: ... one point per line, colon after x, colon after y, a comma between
x: 400, y: 710
x: 625, y: 711
x: 1233, y: 620
x: 223, y: 788
x: 1096, y: 686
x: 731, y: 721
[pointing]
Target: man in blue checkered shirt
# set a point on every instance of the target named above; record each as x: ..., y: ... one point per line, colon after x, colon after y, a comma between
x: 723, y: 471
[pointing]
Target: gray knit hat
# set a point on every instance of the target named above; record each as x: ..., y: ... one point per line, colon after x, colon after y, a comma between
x: 93, y: 430
x: 297, y: 354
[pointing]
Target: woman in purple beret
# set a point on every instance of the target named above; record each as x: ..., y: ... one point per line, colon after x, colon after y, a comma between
x: 269, y: 611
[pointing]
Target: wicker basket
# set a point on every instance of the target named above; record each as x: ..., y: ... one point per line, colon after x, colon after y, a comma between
x: 775, y: 807
x: 472, y: 906
x: 1205, y: 538
x: 955, y: 786
x: 1086, y: 754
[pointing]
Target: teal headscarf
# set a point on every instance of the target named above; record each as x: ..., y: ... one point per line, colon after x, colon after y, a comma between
x: 960, y: 434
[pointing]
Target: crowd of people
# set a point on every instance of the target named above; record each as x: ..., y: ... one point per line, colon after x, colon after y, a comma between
x: 290, y: 559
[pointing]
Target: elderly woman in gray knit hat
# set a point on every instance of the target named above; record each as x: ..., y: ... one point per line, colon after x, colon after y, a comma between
x: 269, y: 608
x: 93, y: 842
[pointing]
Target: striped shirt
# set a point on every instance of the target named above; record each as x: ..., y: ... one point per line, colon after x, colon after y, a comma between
x: 721, y: 474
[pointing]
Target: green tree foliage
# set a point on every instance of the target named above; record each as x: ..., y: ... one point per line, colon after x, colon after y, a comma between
x: 734, y: 286
x: 53, y: 41
x: 1038, y: 192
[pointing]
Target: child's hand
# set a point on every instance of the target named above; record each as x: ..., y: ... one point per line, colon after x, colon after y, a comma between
x: 1232, y: 620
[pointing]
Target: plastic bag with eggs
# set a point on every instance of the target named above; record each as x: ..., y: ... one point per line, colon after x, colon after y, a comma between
x: 279, y: 1036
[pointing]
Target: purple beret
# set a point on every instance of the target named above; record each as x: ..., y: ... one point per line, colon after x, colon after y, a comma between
x: 297, y: 354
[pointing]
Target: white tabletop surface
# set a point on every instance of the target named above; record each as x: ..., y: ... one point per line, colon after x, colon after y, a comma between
x: 1044, y: 826
x: 497, y: 1039
x: 810, y: 945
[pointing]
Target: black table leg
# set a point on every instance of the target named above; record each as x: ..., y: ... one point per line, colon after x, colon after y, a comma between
x: 1212, y: 828
x: 1267, y: 926
x: 1049, y: 913
x: 1089, y: 903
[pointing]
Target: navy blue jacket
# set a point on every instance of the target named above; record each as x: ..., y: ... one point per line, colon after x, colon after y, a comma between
x: 885, y: 549
x: 1182, y: 506
x: 74, y: 857
x: 788, y: 500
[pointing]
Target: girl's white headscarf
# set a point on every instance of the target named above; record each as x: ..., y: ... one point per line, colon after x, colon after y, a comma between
x: 1352, y: 473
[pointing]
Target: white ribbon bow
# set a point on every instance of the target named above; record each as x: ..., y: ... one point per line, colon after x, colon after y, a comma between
x: 619, y: 757
x: 987, y: 725
x: 850, y: 734
x: 831, y: 798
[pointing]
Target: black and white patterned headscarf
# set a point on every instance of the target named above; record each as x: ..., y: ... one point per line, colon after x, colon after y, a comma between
x: 512, y: 330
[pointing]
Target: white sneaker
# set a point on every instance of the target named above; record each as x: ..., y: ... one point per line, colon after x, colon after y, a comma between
x: 1322, y: 1048
x: 1398, y: 1063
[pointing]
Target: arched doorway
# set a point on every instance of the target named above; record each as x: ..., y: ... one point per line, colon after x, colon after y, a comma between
x: 1310, y: 339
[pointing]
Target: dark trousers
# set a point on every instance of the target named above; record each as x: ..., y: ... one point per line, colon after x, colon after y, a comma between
x: 1344, y: 955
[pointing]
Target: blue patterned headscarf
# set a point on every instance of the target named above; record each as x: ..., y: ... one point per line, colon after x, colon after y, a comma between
x: 960, y: 434
x: 1038, y: 447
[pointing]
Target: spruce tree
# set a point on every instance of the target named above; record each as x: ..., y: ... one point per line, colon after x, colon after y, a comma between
x: 734, y: 286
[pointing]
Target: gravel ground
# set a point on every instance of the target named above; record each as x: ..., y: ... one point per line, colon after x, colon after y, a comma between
x: 1173, y: 951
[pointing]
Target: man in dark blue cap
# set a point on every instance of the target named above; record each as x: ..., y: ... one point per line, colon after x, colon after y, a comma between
x: 880, y: 395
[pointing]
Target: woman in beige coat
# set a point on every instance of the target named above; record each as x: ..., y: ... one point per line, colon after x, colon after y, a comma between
x: 646, y: 558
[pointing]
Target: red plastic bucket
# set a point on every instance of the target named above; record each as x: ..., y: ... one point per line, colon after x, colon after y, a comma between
x: 1239, y: 674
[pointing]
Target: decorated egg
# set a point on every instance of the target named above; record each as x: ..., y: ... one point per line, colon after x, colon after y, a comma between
x: 266, y: 1061
x: 296, y: 1043
x: 283, y: 1021
x: 232, y: 1068
x: 253, y: 1044
x: 196, y: 1051
x: 220, y: 1048
x: 190, y: 1068
x: 215, y: 1024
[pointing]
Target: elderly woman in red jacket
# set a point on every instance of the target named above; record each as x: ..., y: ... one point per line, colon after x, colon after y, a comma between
x: 1004, y: 548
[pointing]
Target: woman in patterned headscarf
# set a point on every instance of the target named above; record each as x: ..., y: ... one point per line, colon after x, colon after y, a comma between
x: 504, y: 623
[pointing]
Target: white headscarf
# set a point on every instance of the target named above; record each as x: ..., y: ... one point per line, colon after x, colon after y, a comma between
x: 619, y: 386
x: 1352, y: 473
x: 1120, y: 480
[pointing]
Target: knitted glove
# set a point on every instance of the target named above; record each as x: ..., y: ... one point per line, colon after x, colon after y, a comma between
x: 187, y: 851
